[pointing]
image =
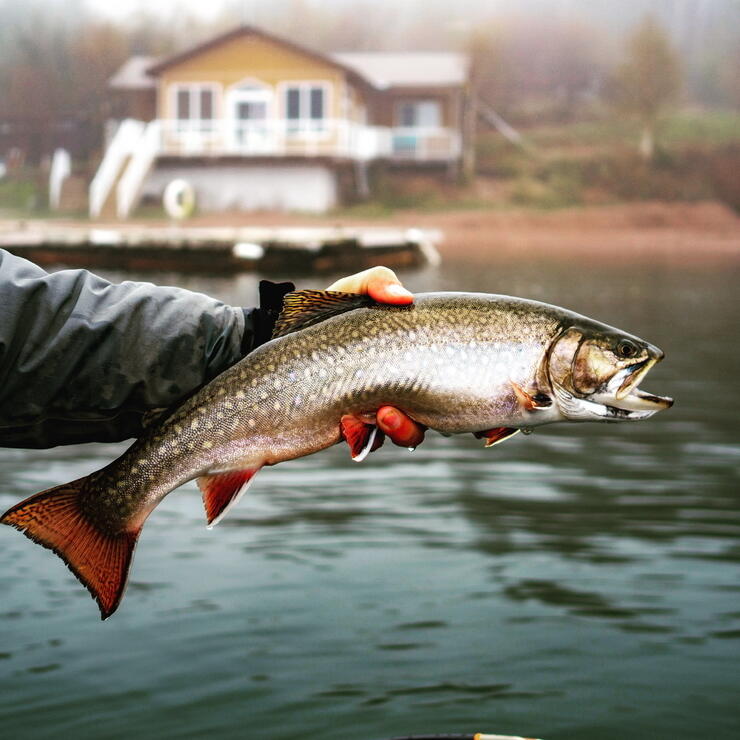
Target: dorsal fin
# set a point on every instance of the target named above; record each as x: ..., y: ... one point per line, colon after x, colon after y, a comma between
x: 308, y: 307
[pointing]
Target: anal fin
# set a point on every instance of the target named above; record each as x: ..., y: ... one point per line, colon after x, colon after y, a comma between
x: 222, y: 490
x: 361, y: 437
x: 496, y: 435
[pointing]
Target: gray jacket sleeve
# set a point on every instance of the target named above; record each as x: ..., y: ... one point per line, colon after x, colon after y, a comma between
x: 84, y: 360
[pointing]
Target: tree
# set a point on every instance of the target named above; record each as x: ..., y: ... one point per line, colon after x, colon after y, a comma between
x: 649, y: 81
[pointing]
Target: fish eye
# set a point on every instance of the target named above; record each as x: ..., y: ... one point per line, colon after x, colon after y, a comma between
x: 626, y: 349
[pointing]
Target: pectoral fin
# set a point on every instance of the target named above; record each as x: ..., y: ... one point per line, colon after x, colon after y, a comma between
x: 494, y: 436
x: 361, y: 437
x: 531, y: 401
x: 222, y: 491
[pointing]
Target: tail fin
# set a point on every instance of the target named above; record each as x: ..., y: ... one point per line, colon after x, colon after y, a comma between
x: 55, y: 519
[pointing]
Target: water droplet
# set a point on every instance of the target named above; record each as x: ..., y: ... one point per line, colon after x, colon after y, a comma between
x: 527, y: 430
x: 411, y: 449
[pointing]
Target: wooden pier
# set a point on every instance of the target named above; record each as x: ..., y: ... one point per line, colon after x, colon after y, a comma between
x: 219, y: 250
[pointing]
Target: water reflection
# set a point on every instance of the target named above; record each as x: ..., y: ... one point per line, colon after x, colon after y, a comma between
x: 543, y: 585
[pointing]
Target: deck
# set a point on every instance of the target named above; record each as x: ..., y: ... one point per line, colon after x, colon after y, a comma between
x: 218, y: 250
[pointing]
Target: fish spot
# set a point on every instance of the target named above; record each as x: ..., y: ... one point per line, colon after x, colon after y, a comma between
x: 276, y: 406
x: 134, y: 470
x: 271, y: 368
x: 228, y: 405
x: 263, y: 396
x: 278, y: 385
x: 194, y: 424
x: 207, y: 445
x: 240, y: 394
x: 252, y: 423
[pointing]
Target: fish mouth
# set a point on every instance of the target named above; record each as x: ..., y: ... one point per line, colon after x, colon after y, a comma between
x: 624, y: 399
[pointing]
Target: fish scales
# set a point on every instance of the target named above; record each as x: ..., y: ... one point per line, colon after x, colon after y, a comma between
x: 454, y: 362
x: 284, y: 400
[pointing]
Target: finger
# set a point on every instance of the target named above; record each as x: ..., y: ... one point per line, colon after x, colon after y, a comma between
x: 379, y: 283
x: 384, y: 287
x: 402, y: 430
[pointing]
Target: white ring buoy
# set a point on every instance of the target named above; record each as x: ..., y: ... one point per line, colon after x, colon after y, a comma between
x: 179, y: 199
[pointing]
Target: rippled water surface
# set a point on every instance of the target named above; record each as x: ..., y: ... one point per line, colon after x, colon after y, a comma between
x: 581, y: 582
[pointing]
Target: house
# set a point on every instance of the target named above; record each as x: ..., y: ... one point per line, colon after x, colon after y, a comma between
x: 253, y: 121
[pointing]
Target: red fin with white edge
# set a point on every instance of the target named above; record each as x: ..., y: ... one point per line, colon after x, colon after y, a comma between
x: 531, y: 401
x: 222, y: 490
x: 101, y: 560
x: 361, y: 437
x: 496, y: 435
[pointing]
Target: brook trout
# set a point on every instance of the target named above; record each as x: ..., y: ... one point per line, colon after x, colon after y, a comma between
x: 455, y: 362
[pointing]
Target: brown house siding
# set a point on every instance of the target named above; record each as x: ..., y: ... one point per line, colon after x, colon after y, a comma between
x: 384, y: 104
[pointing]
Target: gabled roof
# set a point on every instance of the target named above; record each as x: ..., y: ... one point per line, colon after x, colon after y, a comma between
x: 132, y: 74
x: 407, y: 69
x: 243, y: 31
x: 378, y: 70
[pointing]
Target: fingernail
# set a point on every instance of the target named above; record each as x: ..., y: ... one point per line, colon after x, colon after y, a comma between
x: 398, y: 290
x: 391, y: 420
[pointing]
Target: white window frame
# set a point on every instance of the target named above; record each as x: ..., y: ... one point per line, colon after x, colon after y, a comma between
x: 306, y: 123
x: 195, y: 88
x: 415, y: 101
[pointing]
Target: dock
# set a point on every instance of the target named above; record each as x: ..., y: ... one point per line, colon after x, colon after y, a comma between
x: 219, y: 250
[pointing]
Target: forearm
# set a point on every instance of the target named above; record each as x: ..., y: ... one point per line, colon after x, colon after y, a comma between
x: 82, y: 359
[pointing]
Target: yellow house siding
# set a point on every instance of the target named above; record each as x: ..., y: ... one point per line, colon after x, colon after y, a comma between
x: 249, y: 57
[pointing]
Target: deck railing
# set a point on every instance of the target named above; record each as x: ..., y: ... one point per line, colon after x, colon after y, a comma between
x: 305, y: 138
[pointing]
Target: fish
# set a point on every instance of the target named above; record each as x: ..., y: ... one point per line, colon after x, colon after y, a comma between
x: 476, y: 363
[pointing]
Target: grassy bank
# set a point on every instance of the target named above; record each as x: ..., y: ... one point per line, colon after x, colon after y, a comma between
x: 698, y: 158
x: 592, y: 162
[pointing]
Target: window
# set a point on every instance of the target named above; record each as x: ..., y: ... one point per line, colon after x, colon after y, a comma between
x: 194, y: 102
x: 317, y: 103
x: 419, y: 114
x: 293, y: 103
x: 206, y: 104
x: 305, y: 103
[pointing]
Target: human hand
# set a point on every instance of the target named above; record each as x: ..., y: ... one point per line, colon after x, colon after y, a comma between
x: 382, y: 285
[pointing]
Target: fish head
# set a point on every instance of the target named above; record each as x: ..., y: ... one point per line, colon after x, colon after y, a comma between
x: 594, y: 372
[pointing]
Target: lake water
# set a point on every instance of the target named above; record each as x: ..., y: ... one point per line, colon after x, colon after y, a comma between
x: 581, y: 582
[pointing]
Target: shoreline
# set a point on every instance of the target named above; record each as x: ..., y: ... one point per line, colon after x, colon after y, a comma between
x: 648, y: 230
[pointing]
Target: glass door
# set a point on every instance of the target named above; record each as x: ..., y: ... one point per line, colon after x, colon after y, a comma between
x: 252, y: 125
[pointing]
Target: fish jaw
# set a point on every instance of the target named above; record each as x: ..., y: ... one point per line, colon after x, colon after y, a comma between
x: 623, y: 400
